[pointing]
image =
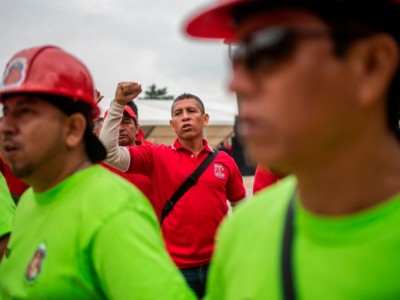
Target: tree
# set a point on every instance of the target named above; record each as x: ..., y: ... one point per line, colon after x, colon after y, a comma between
x: 155, y: 93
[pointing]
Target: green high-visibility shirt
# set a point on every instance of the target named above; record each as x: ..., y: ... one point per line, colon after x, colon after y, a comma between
x: 350, y: 257
x: 7, y: 207
x: 92, y: 236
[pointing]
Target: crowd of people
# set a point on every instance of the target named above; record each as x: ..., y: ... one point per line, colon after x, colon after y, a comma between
x: 105, y: 214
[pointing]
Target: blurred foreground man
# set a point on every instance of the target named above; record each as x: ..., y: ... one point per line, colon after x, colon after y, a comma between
x: 318, y: 84
x: 80, y: 232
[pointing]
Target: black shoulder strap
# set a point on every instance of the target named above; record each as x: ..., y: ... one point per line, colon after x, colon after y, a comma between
x: 190, y: 181
x: 288, y: 287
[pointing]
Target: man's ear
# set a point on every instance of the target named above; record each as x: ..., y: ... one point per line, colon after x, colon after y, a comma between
x: 172, y: 125
x: 75, y: 129
x: 378, y: 60
x: 206, y: 118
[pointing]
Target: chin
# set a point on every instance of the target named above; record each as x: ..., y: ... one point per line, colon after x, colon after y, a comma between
x: 124, y: 143
x: 263, y: 154
x: 187, y: 135
x: 21, y: 171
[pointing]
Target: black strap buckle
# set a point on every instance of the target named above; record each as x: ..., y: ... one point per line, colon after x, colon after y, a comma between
x: 192, y: 179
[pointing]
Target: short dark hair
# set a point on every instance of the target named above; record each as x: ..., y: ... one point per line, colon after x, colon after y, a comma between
x: 134, y: 107
x: 70, y: 107
x: 188, y: 96
x: 349, y: 20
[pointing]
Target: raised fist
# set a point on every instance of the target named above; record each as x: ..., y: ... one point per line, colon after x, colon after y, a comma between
x: 127, y: 91
x: 98, y: 96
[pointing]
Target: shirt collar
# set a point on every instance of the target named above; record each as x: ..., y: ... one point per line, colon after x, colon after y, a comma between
x: 177, y: 146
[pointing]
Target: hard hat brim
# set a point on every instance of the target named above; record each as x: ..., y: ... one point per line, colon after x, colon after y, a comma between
x: 214, y: 22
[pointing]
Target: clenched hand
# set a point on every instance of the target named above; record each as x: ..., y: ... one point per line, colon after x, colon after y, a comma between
x: 126, y: 92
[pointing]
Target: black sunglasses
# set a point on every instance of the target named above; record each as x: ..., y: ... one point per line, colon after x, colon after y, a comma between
x: 269, y: 47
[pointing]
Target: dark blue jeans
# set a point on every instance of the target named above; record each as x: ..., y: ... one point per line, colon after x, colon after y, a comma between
x: 196, y: 279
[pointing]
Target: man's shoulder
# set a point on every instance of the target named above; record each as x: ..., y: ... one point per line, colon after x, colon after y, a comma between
x: 266, y: 207
x: 151, y: 147
x: 108, y: 194
x: 103, y: 180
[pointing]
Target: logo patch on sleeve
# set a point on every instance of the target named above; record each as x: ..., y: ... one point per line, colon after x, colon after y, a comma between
x: 219, y: 171
x: 35, y: 265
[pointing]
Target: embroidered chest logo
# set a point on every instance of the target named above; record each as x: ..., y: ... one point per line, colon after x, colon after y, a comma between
x: 35, y: 265
x: 15, y: 73
x: 219, y: 171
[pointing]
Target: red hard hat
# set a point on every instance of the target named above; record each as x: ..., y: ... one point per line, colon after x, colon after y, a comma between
x: 215, y: 21
x: 49, y: 70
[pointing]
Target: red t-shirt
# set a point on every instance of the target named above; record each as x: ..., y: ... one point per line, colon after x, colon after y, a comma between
x: 263, y: 178
x: 142, y: 182
x: 16, y: 186
x: 190, y: 228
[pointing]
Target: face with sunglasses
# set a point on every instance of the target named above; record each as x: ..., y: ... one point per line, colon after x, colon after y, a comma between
x: 297, y: 98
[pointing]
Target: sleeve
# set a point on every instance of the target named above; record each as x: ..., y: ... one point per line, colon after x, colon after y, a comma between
x: 142, y: 158
x: 7, y: 208
x: 117, y: 156
x: 235, y: 187
x: 131, y: 261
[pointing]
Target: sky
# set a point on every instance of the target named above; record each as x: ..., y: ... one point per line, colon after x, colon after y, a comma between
x: 122, y: 40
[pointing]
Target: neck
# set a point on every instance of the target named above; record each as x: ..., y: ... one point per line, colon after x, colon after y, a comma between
x: 357, y: 178
x: 43, y: 180
x: 194, y: 145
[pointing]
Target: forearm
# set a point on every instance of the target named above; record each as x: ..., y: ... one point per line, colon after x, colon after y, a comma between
x: 117, y: 156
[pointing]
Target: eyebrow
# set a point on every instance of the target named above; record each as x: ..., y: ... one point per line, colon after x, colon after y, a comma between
x: 188, y: 107
x: 19, y: 103
x: 23, y: 101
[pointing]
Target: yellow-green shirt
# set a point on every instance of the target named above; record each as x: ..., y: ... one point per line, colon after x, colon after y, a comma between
x: 347, y: 258
x: 93, y: 236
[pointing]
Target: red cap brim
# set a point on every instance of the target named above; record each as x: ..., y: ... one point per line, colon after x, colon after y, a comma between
x: 128, y: 110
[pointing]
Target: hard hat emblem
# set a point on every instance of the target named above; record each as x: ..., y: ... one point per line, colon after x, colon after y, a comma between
x: 15, y: 73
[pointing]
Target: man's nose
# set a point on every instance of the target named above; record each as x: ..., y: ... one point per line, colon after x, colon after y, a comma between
x: 241, y: 81
x: 7, y: 125
x: 185, y: 115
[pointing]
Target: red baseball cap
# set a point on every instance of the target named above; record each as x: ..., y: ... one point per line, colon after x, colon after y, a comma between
x: 216, y: 21
x: 128, y: 110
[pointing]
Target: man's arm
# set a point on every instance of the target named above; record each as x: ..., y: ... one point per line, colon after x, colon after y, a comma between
x: 136, y: 265
x: 117, y: 156
x: 236, y: 192
x: 7, y: 211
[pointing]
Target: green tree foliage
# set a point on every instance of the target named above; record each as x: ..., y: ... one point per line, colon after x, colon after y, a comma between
x: 155, y: 93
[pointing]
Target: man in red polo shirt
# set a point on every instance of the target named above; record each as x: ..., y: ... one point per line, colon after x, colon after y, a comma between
x: 190, y: 228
